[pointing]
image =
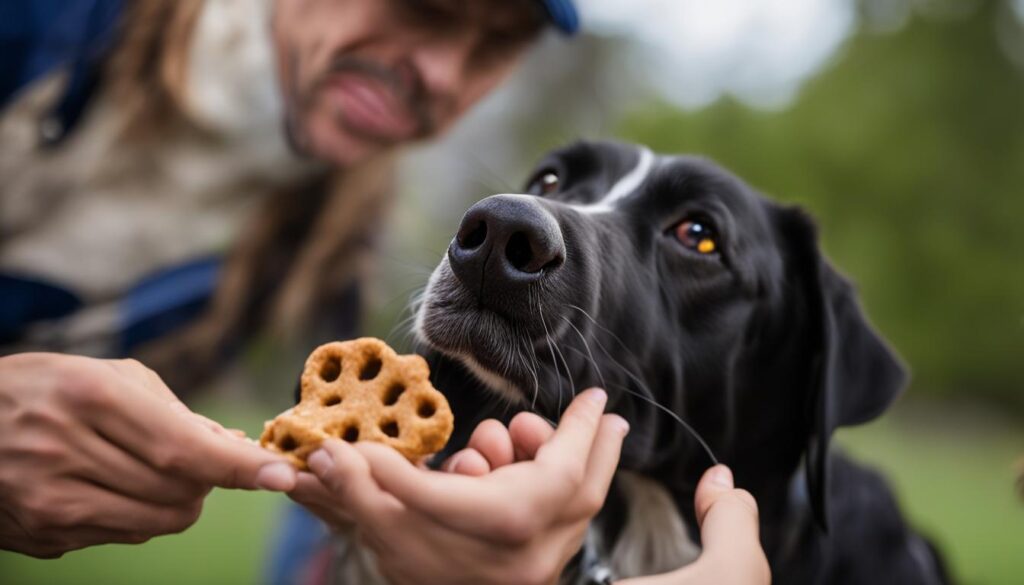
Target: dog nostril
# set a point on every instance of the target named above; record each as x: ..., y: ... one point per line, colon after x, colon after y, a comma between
x: 474, y: 237
x: 553, y: 263
x: 518, y: 251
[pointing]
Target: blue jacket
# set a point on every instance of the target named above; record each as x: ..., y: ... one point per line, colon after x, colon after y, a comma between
x: 36, y: 38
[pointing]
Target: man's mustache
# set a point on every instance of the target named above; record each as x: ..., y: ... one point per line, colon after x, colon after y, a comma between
x: 404, y: 81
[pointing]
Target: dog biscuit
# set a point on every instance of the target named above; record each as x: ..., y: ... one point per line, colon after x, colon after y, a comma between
x: 361, y: 390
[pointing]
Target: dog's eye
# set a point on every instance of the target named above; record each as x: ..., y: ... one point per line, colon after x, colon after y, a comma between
x: 697, y: 235
x: 545, y: 184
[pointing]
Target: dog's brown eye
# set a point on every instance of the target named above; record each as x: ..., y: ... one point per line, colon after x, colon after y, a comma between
x: 697, y: 235
x: 546, y: 184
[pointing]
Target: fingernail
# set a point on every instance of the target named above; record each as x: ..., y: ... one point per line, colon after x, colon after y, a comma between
x: 453, y: 463
x: 278, y: 477
x: 320, y: 462
x: 597, y: 396
x: 722, y: 476
x: 620, y: 424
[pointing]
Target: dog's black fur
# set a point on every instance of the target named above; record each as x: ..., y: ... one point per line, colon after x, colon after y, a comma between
x: 759, y: 344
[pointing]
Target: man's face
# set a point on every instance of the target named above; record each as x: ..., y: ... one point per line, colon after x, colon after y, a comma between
x: 361, y: 75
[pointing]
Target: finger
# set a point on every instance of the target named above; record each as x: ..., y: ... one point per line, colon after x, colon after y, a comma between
x: 528, y: 432
x: 436, y: 494
x: 575, y: 434
x: 715, y: 482
x: 491, y: 439
x: 309, y: 490
x: 732, y: 550
x: 345, y: 473
x: 214, y: 426
x: 604, y: 460
x: 135, y: 371
x: 728, y: 517
x: 504, y: 505
x: 729, y: 527
x: 91, y: 506
x: 312, y: 494
x: 468, y: 462
x: 145, y: 426
x: 108, y: 466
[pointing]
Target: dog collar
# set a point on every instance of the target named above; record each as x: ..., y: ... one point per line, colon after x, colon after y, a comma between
x: 594, y: 570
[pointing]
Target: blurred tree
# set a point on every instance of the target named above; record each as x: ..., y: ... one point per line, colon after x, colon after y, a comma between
x: 909, y: 150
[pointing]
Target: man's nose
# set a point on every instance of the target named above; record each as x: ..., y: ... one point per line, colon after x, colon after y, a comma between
x: 506, y: 242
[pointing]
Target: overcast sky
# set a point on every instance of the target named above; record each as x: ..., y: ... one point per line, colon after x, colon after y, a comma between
x: 696, y: 50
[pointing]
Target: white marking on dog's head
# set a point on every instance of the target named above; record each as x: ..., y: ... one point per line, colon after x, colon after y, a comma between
x: 624, y: 187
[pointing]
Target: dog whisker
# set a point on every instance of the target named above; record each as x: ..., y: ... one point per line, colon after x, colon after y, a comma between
x: 525, y: 357
x: 404, y: 328
x: 533, y: 366
x: 590, y: 354
x: 648, y: 396
x: 611, y: 333
x: 536, y: 379
x: 532, y: 353
x: 415, y: 296
x: 568, y: 371
x: 554, y: 362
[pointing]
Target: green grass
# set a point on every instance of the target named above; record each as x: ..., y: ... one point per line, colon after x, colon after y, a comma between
x: 953, y: 471
x: 951, y: 468
x: 226, y: 546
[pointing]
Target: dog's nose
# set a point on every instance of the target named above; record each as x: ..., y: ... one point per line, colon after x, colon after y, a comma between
x: 506, y: 240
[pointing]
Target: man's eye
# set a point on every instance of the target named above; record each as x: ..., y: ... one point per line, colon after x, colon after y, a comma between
x: 428, y: 12
x: 546, y: 184
x: 697, y: 235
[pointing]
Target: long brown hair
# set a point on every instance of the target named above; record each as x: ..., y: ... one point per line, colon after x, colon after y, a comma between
x: 149, y: 66
x: 300, y: 252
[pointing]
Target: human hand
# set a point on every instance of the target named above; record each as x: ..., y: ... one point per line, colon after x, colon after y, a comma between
x: 732, y: 553
x: 100, y: 451
x: 515, y: 512
x: 490, y: 446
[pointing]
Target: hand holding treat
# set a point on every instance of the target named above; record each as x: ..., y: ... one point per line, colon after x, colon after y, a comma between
x: 518, y: 519
x: 514, y: 505
x: 361, y: 390
x: 101, y: 451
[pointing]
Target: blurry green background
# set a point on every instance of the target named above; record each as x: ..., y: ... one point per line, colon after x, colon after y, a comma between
x: 906, y: 141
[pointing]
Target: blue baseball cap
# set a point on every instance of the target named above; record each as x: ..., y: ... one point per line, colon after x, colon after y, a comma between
x: 563, y: 15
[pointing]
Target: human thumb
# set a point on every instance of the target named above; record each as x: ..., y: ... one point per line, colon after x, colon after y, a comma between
x: 728, y: 516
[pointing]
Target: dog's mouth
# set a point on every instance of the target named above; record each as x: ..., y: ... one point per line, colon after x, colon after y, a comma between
x: 514, y: 350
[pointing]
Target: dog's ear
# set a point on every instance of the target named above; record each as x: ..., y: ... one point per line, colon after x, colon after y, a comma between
x: 855, y: 375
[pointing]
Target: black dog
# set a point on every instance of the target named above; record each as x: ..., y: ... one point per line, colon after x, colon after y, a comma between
x: 687, y: 295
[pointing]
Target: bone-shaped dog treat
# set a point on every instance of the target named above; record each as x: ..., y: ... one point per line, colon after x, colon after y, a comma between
x: 361, y: 390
